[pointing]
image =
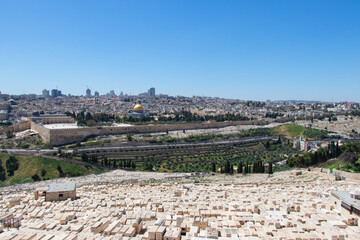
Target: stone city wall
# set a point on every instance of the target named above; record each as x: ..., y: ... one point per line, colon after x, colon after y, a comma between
x: 17, y: 127
x: 42, y: 131
x: 66, y: 136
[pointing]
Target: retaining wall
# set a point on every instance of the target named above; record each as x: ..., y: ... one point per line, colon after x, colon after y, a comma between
x: 17, y: 127
x: 45, y: 133
x: 66, y: 136
x: 346, y: 175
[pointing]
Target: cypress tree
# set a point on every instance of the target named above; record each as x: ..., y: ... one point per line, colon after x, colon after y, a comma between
x: 213, y: 167
x: 240, y: 168
x: 84, y: 157
x: 2, y: 172
x: 270, y: 168
x: 227, y: 167
x: 337, y: 150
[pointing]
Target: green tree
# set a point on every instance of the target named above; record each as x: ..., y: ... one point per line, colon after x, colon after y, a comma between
x: 227, y: 166
x: 148, y: 166
x: 61, y: 172
x: 129, y: 137
x: 9, y: 134
x: 94, y: 159
x: 43, y: 172
x: 12, y: 164
x: 270, y: 168
x: 213, y: 167
x: 2, y: 172
x: 106, y: 162
x: 90, y: 123
x: 240, y: 168
x: 88, y: 116
x: 84, y: 157
x: 231, y: 170
x: 35, y: 177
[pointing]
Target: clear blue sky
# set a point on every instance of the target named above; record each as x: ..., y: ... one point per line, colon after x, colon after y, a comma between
x: 252, y: 49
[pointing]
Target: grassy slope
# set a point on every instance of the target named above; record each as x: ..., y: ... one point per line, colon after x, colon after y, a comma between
x: 29, y: 165
x: 343, y: 166
x: 289, y: 130
x: 295, y: 131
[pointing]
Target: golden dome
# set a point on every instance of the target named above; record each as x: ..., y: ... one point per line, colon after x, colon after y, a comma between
x: 138, y: 107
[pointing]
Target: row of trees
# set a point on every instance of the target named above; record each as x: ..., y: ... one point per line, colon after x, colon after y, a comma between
x: 255, y: 167
x: 88, y: 119
x: 186, y: 116
x: 130, y: 119
x: 110, y: 163
x: 37, y: 178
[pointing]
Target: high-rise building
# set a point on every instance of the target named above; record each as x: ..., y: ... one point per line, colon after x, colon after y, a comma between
x: 96, y: 94
x: 112, y: 93
x: 55, y: 93
x: 151, y: 92
x: 88, y: 93
x: 46, y: 93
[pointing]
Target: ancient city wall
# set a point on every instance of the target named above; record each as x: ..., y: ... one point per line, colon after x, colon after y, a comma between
x: 43, y: 132
x: 66, y: 136
x: 17, y: 127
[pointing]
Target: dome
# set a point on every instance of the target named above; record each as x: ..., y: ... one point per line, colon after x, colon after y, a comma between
x: 138, y: 107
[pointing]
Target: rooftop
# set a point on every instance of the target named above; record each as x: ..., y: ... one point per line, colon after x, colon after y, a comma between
x: 61, y: 125
x: 61, y: 187
x: 345, y: 196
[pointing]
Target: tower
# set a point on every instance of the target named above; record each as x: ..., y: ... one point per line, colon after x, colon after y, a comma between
x: 88, y: 93
x: 151, y: 92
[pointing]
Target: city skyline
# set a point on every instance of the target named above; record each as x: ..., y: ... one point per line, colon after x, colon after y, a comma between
x: 251, y: 50
x: 119, y: 93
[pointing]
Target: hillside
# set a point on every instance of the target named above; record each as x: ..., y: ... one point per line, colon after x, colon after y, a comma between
x: 30, y: 165
x: 296, y: 131
x: 347, y: 162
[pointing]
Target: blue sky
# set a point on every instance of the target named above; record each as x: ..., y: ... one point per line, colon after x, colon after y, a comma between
x: 254, y: 49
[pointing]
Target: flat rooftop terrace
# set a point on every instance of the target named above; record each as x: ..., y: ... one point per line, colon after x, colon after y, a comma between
x: 61, y: 125
x: 62, y: 187
x: 345, y: 196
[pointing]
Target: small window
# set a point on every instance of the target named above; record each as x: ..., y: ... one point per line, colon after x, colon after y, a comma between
x: 61, y: 195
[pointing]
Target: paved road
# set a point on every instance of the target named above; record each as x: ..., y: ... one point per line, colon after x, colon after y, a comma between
x: 28, y: 151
